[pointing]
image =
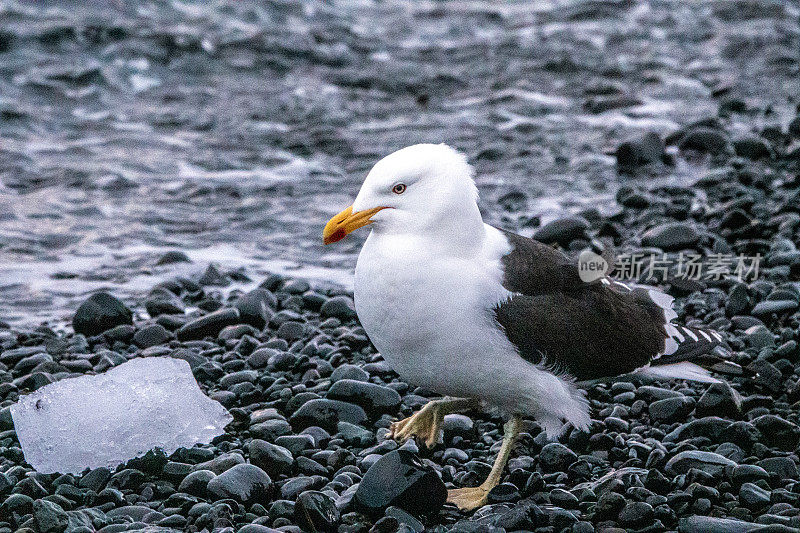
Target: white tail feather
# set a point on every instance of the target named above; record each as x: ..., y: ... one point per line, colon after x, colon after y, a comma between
x: 683, y: 370
x: 665, y: 302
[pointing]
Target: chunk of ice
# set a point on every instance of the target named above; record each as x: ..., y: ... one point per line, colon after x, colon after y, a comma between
x: 103, y: 420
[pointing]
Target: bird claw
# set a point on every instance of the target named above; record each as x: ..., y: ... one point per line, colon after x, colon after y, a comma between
x: 468, y: 498
x: 423, y: 425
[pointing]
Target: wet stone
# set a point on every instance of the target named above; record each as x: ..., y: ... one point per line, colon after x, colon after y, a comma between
x: 196, y: 483
x: 327, y: 414
x: 99, y: 313
x: 457, y: 425
x: 778, y: 432
x: 709, y: 462
x: 649, y: 148
x: 504, y: 492
x: 243, y: 482
x: 49, y: 517
x: 555, y: 457
x: 348, y: 371
x: 316, y: 511
x: 150, y: 336
x: 269, y: 430
x: 341, y: 307
x: 172, y: 257
x: 706, y: 140
x: 373, y: 398
x: 671, y: 236
x: 562, y: 231
x: 636, y: 514
x: 400, y: 479
x: 719, y: 399
x: 256, y: 307
x: 769, y: 307
x: 752, y: 496
x: 273, y: 459
x: 209, y: 325
x: 161, y: 301
x: 783, y: 467
x: 671, y: 409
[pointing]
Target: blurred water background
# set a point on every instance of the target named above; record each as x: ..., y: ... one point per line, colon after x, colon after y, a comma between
x: 232, y: 130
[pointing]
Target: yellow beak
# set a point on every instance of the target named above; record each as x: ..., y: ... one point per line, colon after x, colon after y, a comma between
x: 346, y: 222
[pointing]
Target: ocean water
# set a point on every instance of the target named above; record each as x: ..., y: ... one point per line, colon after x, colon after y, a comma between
x: 232, y: 130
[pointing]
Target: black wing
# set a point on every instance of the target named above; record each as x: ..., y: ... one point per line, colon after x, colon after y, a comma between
x: 587, y: 330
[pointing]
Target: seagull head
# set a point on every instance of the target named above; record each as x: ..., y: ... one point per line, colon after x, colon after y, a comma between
x: 421, y: 189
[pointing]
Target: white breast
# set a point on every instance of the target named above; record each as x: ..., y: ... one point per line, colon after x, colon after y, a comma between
x: 429, y: 312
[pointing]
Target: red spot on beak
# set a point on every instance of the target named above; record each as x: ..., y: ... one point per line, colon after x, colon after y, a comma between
x: 336, y: 236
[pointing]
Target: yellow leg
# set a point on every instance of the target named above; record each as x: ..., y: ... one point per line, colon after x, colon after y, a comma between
x: 426, y: 423
x: 470, y: 498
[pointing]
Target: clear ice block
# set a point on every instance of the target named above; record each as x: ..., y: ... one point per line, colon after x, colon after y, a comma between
x: 109, y: 418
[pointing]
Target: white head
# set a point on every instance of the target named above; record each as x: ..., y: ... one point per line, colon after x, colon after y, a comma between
x: 425, y: 189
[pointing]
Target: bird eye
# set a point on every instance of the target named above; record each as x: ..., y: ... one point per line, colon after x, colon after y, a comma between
x: 399, y: 188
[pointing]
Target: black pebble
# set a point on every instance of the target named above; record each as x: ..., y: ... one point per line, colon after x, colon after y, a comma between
x: 400, y: 478
x: 100, y: 312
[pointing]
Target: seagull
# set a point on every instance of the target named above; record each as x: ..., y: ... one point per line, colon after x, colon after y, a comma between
x: 488, y: 318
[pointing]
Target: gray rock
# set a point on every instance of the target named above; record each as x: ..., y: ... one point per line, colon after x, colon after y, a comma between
x: 152, y: 335
x: 671, y: 236
x: 209, y: 325
x: 562, y: 230
x: 136, y: 513
x: 95, y: 479
x: 355, y: 435
x: 646, y: 149
x: 671, y: 409
x: 719, y: 399
x: 161, y: 301
x: 269, y: 430
x: 327, y: 414
x: 256, y: 307
x: 752, y: 147
x: 245, y: 483
x: 375, y: 399
x: 197, y: 482
x: 257, y: 528
x: 400, y: 479
x: 766, y: 374
x: 709, y: 426
x: 768, y: 307
x: 457, y: 425
x: 709, y: 462
x: 555, y: 457
x: 709, y: 524
x: 778, y: 432
x: 100, y: 312
x: 348, y: 371
x: 49, y: 517
x: 636, y: 514
x: 783, y: 467
x: 747, y: 473
x: 707, y: 140
x: 759, y: 337
x: 341, y: 307
x: 273, y: 459
x: 753, y: 497
x: 173, y: 256
x: 316, y: 511
x: 260, y: 357
x: 220, y: 464
x: 649, y: 393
